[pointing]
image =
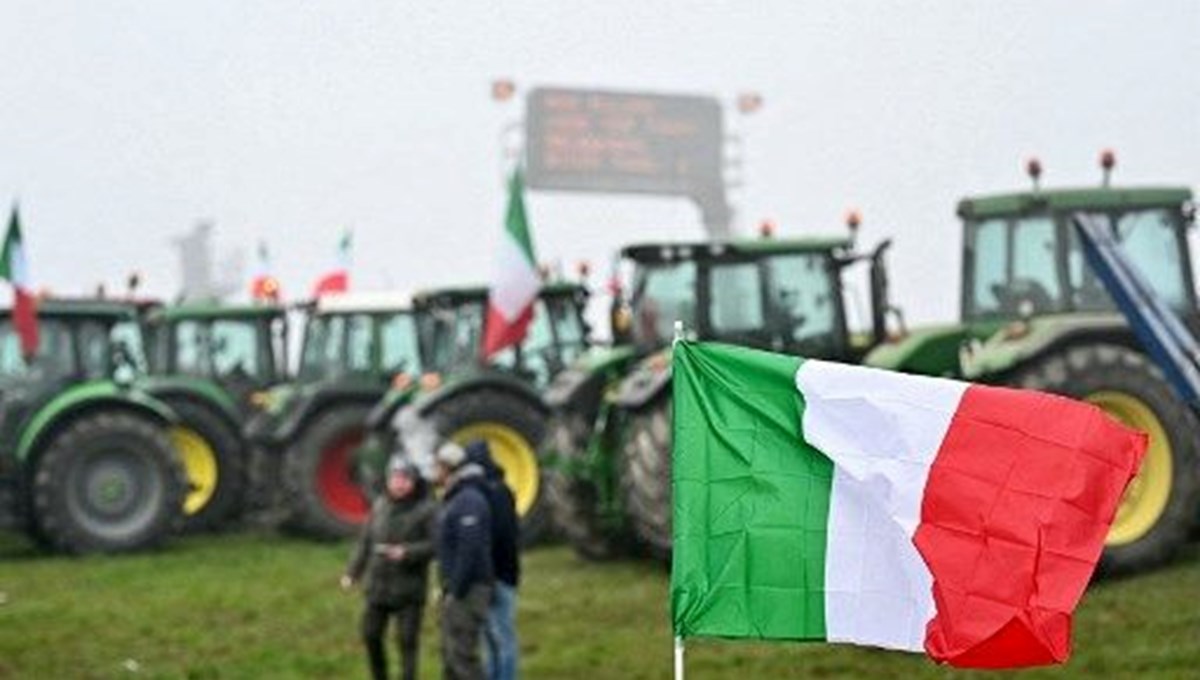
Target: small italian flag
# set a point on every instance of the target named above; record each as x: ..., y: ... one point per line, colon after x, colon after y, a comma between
x: 515, y: 281
x: 820, y: 501
x: 14, y: 268
x: 337, y: 280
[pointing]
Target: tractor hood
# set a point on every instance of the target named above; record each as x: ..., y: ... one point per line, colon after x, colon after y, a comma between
x: 1019, y: 341
x: 648, y: 378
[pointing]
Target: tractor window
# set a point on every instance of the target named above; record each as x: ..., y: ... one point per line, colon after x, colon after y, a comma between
x: 359, y: 343
x: 1148, y: 239
x: 1016, y: 268
x: 322, y: 353
x: 663, y: 294
x: 126, y: 337
x: 451, y: 334
x: 538, y: 357
x: 801, y: 307
x: 568, y: 326
x: 399, y: 350
x: 54, y: 357
x: 191, y: 340
x: 234, y: 349
x: 735, y: 298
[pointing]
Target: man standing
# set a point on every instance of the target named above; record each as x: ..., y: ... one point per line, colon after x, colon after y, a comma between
x: 392, y: 558
x: 501, y: 631
x: 465, y: 556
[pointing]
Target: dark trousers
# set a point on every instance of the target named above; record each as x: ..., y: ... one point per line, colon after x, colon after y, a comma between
x: 463, y: 621
x: 408, y: 628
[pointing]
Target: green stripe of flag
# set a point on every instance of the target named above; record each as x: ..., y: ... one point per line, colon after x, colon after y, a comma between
x: 751, y: 499
x: 516, y: 221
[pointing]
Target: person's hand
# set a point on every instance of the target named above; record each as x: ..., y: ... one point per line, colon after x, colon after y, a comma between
x: 395, y: 552
x: 346, y: 582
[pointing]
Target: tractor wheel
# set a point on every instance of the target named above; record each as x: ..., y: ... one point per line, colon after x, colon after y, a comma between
x: 214, y: 464
x: 646, y: 476
x: 324, y: 499
x: 108, y: 482
x: 574, y: 499
x: 1159, y: 507
x: 513, y: 428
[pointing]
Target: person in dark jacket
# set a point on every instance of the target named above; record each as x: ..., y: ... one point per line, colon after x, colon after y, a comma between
x: 501, y: 631
x: 392, y: 561
x: 465, y: 556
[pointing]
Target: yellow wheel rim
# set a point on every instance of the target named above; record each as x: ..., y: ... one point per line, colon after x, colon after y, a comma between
x: 200, y: 465
x: 1146, y: 498
x: 513, y: 454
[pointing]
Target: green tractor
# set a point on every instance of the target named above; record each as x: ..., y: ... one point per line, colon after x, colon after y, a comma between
x: 87, y: 464
x: 610, y: 432
x: 355, y: 347
x: 210, y: 362
x: 499, y: 401
x: 1034, y: 315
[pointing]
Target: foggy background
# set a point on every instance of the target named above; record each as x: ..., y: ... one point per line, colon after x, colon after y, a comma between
x: 123, y: 124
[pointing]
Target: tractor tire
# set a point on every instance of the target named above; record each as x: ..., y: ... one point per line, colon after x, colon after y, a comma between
x: 108, y: 482
x: 1159, y: 507
x: 574, y: 500
x: 322, y: 497
x: 645, y: 476
x: 215, y: 464
x: 513, y: 428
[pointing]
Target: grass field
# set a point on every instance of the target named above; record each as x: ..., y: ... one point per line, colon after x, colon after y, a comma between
x: 261, y: 606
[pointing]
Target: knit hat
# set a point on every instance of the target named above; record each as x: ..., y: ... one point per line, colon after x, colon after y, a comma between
x: 399, y: 464
x: 451, y: 455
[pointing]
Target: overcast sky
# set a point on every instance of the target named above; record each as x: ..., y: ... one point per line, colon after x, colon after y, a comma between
x: 122, y: 123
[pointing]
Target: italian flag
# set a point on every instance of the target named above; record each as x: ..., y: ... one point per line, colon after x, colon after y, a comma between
x: 515, y: 282
x: 338, y: 279
x: 821, y: 501
x: 14, y: 268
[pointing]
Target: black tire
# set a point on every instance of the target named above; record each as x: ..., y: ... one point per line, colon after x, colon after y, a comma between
x: 229, y: 495
x: 312, y: 475
x: 645, y: 476
x: 1081, y: 371
x: 574, y: 500
x: 108, y: 448
x: 491, y: 405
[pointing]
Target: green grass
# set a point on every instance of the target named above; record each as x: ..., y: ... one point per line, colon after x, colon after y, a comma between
x: 261, y: 606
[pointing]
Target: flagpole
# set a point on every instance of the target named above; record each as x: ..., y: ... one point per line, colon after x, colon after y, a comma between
x: 678, y: 658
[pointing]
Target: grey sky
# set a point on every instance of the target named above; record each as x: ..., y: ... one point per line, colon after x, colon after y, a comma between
x: 122, y: 123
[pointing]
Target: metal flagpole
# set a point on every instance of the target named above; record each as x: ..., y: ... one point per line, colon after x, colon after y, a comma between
x: 678, y: 658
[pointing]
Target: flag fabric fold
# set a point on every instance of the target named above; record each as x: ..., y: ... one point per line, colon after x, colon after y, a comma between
x: 515, y: 281
x: 14, y: 268
x: 821, y: 501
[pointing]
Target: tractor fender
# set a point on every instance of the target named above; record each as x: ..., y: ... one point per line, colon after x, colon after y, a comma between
x: 198, y: 391
x: 579, y: 386
x: 381, y: 414
x: 87, y: 398
x: 429, y: 401
x: 309, y: 403
x: 649, y: 378
x: 1020, y: 342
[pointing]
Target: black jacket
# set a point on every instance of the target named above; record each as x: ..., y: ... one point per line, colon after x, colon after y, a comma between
x: 465, y: 537
x: 506, y: 526
x: 411, y: 522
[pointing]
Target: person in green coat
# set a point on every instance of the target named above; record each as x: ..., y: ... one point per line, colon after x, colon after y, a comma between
x: 391, y: 560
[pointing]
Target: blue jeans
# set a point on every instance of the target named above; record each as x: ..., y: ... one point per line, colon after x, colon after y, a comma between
x: 501, y: 634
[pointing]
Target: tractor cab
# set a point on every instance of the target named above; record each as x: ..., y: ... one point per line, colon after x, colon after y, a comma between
x: 363, y: 338
x: 242, y: 348
x: 451, y: 323
x: 1022, y: 259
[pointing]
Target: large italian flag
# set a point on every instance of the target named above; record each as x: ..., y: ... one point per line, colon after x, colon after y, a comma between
x: 820, y: 501
x: 14, y: 268
x: 515, y: 281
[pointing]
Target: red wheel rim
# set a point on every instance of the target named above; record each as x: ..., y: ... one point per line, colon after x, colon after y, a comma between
x: 335, y: 483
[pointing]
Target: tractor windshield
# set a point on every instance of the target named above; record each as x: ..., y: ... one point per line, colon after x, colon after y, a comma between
x: 452, y: 334
x: 358, y: 343
x: 1032, y: 264
x: 224, y: 349
x: 783, y: 302
x: 663, y: 293
x: 54, y: 358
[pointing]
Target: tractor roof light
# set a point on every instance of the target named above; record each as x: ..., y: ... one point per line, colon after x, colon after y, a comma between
x: 1033, y: 168
x: 503, y: 89
x: 583, y: 268
x: 766, y: 229
x: 749, y: 102
x: 1108, y: 161
x: 853, y: 222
